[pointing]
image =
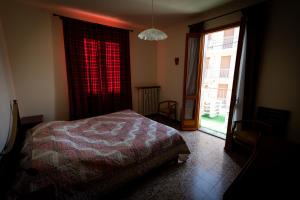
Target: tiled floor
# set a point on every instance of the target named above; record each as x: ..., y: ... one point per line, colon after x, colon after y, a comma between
x: 206, y: 174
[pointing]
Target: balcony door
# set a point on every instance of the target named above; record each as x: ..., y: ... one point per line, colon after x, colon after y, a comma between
x: 211, y: 79
x: 220, y: 49
x: 192, y: 80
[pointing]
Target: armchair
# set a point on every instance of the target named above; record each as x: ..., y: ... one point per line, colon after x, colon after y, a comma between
x: 168, y: 108
x: 246, y: 133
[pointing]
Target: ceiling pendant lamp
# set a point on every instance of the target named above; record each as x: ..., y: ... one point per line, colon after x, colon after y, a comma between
x: 152, y: 34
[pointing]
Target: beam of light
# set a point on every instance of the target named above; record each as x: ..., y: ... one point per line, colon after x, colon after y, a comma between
x: 84, y: 15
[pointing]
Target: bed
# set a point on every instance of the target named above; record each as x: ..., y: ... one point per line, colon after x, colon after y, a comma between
x: 87, y: 158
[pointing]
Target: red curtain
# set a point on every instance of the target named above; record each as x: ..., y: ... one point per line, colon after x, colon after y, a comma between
x: 98, y: 68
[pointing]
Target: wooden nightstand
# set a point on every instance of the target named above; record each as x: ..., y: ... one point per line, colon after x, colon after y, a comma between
x: 30, y: 121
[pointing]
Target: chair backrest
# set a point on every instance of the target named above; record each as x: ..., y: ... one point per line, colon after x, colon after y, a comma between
x: 172, y: 103
x: 277, y: 118
x: 169, y: 103
x: 254, y: 125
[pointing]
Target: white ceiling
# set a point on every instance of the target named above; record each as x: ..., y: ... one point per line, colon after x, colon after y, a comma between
x: 132, y: 13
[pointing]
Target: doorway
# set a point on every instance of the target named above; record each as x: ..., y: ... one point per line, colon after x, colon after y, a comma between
x: 218, y: 66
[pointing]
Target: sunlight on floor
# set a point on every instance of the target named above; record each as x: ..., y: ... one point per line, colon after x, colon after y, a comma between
x: 216, y: 123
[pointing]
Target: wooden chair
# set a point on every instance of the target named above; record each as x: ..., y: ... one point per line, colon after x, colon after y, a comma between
x: 246, y: 133
x: 168, y: 108
x: 269, y: 121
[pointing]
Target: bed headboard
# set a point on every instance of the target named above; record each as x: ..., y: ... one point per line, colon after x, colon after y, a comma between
x: 10, y: 155
x: 11, y: 141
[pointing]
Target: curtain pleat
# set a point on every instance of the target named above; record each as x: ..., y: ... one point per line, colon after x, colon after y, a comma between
x: 238, y: 109
x: 256, y: 22
x: 193, y: 61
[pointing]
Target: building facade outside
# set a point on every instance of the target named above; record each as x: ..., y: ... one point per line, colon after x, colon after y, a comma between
x: 217, y: 77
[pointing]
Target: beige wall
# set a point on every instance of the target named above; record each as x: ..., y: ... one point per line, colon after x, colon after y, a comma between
x: 280, y: 70
x: 36, y: 52
x: 169, y: 75
x: 61, y: 98
x: 143, y: 65
x: 29, y: 40
x: 279, y: 79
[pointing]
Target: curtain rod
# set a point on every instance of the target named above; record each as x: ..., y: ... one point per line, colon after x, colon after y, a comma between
x: 56, y: 15
x: 212, y: 18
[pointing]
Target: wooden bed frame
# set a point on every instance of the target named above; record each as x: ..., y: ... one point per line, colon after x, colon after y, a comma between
x: 10, y: 161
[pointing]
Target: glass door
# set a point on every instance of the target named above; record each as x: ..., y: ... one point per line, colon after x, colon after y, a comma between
x: 192, y: 79
x: 219, y: 61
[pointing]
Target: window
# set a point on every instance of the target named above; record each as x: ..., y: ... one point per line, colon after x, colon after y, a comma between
x: 113, y: 66
x: 217, y: 79
x: 225, y: 65
x: 228, y: 38
x: 92, y: 49
x: 90, y: 53
x: 98, y: 68
x: 222, y: 91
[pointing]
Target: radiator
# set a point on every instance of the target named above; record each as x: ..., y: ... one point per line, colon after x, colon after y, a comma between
x: 148, y: 98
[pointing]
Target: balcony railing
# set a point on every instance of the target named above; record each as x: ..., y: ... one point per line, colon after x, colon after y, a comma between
x: 228, y: 42
x: 221, y: 42
x: 224, y: 73
x: 216, y: 73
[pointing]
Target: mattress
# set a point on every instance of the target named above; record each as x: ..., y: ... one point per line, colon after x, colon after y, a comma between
x: 86, y: 158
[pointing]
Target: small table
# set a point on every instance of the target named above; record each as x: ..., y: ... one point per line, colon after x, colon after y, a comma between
x: 30, y: 121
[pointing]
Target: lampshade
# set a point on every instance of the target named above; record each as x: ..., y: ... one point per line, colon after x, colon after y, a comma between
x: 152, y: 34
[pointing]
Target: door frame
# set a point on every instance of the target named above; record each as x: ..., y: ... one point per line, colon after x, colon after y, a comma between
x: 192, y: 124
x: 228, y: 141
x: 234, y: 85
x: 222, y: 27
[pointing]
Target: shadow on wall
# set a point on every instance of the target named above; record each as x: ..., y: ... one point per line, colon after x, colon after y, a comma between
x: 60, y: 72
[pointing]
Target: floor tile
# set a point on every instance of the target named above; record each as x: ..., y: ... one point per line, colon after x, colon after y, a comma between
x: 206, y: 174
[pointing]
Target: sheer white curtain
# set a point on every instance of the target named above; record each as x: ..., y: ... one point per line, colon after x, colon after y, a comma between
x: 192, y: 76
x: 193, y: 61
x: 238, y: 108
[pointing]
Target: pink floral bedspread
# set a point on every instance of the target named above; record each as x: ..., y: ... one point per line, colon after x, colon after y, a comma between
x: 71, y: 152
